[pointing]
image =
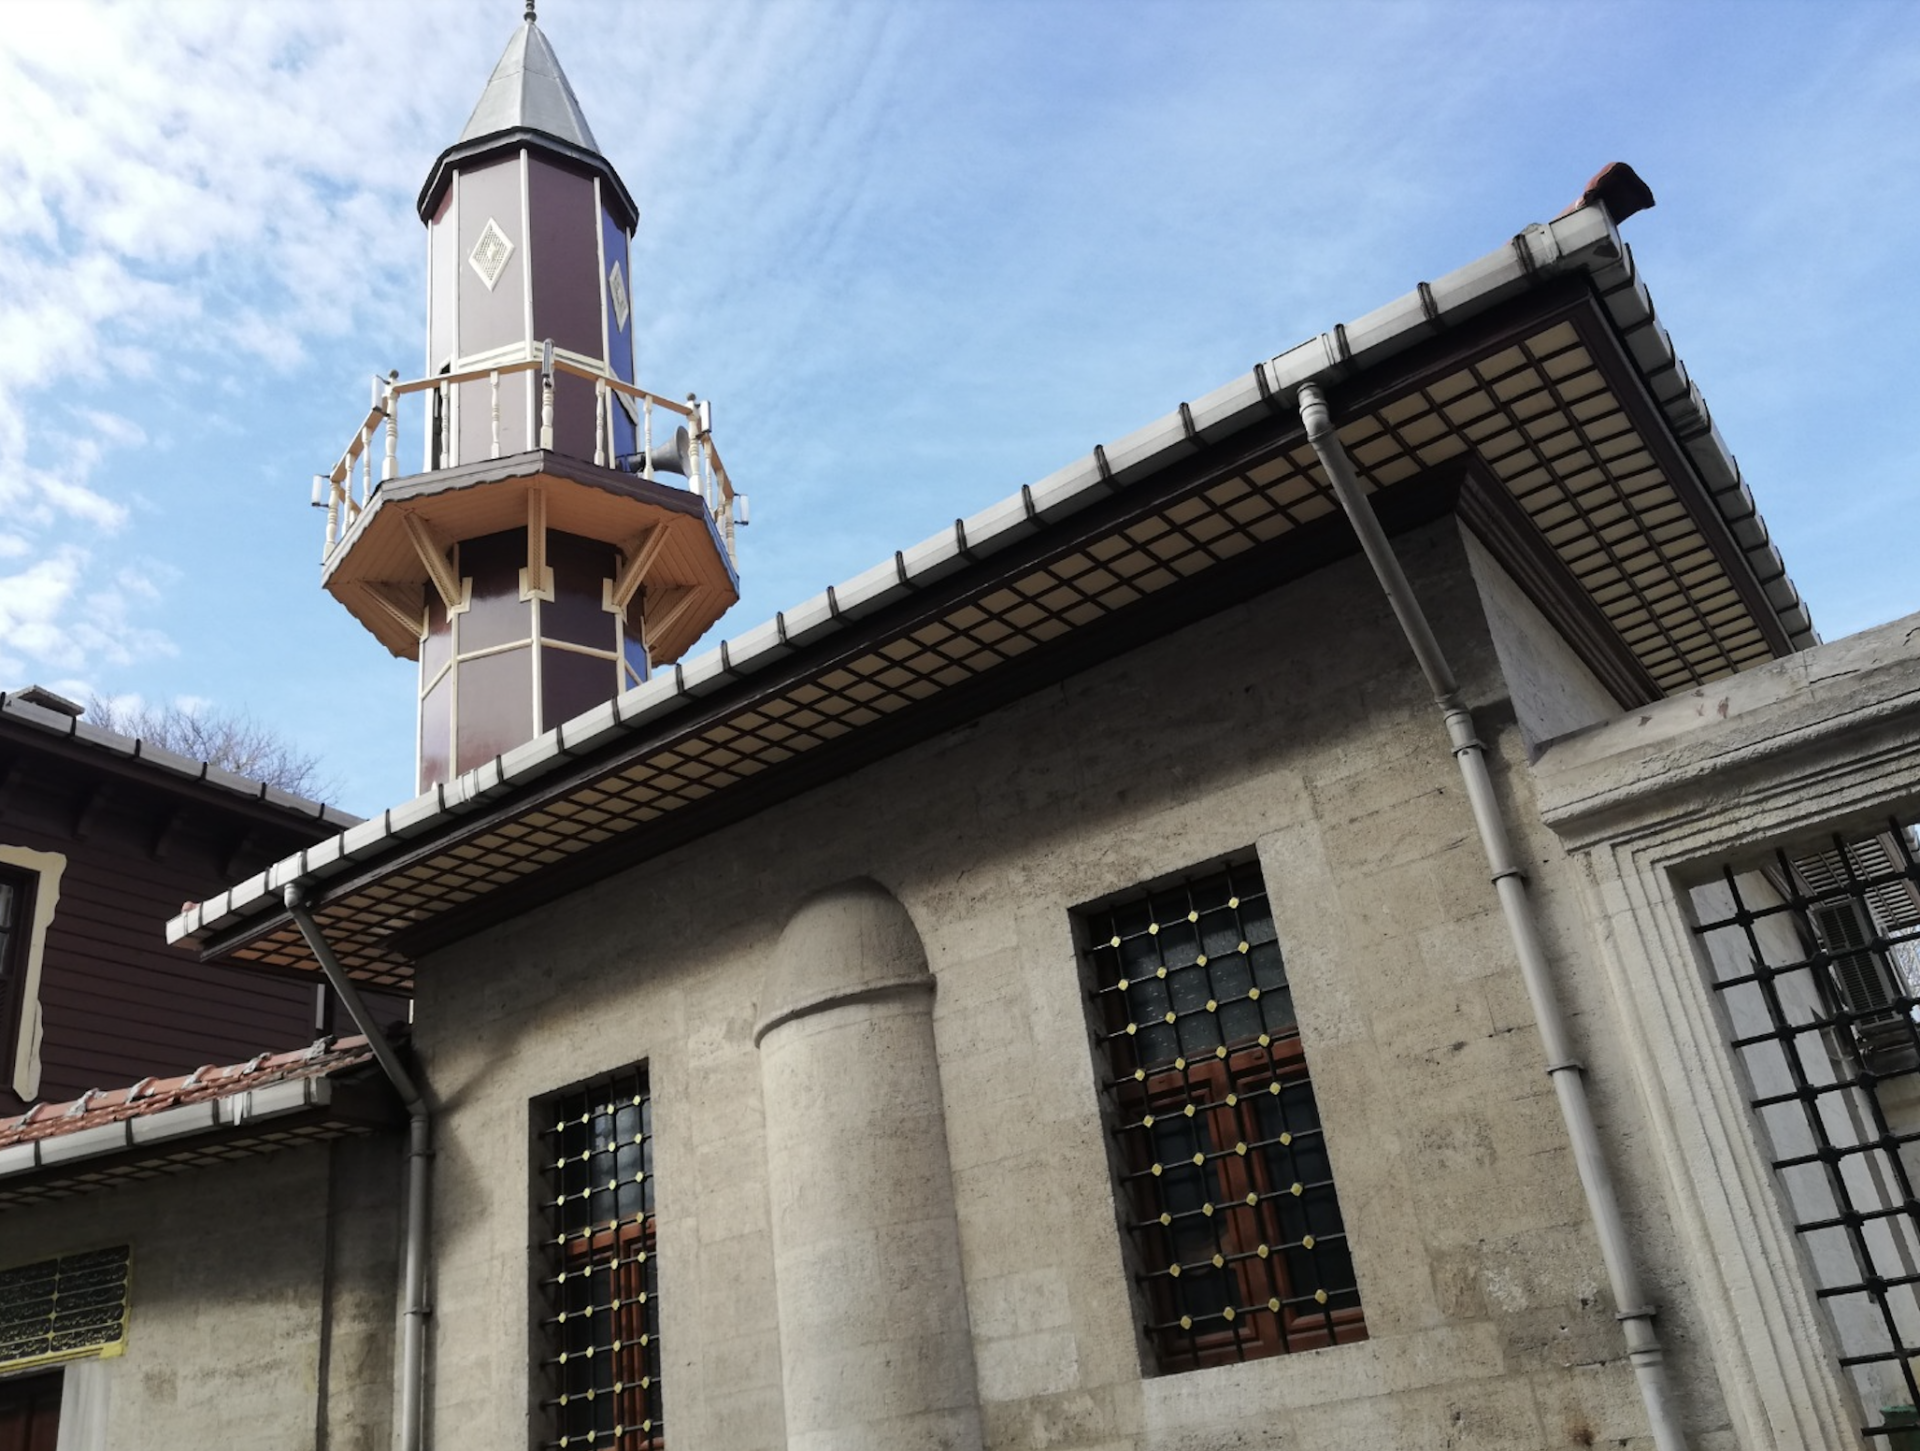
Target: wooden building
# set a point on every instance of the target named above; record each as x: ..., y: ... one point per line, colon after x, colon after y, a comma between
x: 102, y: 838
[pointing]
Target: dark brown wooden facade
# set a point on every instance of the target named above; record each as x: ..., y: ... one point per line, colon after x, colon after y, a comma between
x: 139, y: 838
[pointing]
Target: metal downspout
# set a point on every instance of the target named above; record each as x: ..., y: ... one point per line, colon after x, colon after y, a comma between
x: 408, y: 1435
x: 1633, y: 1311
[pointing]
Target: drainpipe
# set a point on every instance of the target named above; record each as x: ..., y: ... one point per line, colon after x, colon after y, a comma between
x: 1634, y: 1311
x: 413, y: 1336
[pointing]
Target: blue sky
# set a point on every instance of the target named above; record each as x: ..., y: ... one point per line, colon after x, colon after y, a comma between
x: 917, y: 254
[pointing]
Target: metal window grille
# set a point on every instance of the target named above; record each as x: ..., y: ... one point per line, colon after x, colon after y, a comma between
x: 1815, y: 957
x: 601, y: 1358
x: 1226, y: 1191
x: 60, y: 1309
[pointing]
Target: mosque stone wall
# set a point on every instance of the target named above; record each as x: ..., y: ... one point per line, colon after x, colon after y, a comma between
x: 260, y: 1302
x: 1295, y: 725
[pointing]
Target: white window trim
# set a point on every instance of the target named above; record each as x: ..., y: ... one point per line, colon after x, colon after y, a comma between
x: 46, y: 867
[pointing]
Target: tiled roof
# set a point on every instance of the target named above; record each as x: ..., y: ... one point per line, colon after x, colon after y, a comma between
x: 156, y: 1095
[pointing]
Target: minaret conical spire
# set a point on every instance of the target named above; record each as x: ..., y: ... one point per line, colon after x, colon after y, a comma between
x: 529, y: 91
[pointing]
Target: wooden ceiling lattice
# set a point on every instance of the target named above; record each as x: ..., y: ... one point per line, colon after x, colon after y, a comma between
x: 1542, y: 416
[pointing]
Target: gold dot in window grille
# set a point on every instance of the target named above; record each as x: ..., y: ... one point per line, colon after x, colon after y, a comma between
x: 1263, y: 1251
x: 1199, y: 1158
x: 1147, y: 1122
x: 1285, y: 1138
x: 1306, y: 1241
x: 1219, y: 1262
x: 1139, y: 1074
x: 1188, y: 1110
x: 1265, y: 1041
x: 1241, y: 1148
x: 646, y: 1382
x: 1181, y: 1064
x: 1274, y: 1089
x: 1170, y: 1015
x: 1132, y: 1028
x: 645, y: 1338
x: 1193, y: 916
x: 1114, y: 941
x: 1233, y: 901
x: 1226, y: 1313
x: 1174, y: 1270
x: 1241, y: 949
x: 1232, y: 1099
x: 646, y: 1426
x: 1274, y: 1305
x: 1253, y: 994
x: 1166, y: 1218
x: 1186, y: 1322
x: 1320, y: 1297
x: 1297, y: 1190
x: 1212, y: 1006
x: 1160, y: 972
x: 1156, y: 1171
x: 1207, y: 1209
x: 1201, y: 960
x: 1122, y: 984
x: 1153, y: 929
x: 1221, y: 1051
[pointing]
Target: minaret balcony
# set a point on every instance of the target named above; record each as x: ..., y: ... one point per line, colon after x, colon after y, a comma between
x: 648, y: 482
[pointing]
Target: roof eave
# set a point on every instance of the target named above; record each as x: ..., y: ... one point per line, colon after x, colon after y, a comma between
x: 1582, y: 242
x: 466, y: 153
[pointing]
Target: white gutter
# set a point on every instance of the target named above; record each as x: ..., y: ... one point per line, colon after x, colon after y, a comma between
x: 253, y: 1105
x: 1568, y: 1075
x: 1583, y: 241
x: 409, y: 1434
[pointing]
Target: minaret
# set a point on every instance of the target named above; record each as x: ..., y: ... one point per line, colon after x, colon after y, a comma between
x: 568, y: 530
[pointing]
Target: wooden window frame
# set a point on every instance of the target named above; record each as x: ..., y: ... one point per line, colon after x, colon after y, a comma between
x: 1230, y: 1214
x: 15, y: 952
x: 598, y: 1264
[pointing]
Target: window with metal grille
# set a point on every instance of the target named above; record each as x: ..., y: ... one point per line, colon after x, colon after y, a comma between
x: 600, y: 1361
x: 1226, y: 1189
x: 61, y: 1309
x: 1814, y: 954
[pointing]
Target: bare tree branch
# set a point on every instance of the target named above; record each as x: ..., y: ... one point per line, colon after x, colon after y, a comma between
x: 230, y: 739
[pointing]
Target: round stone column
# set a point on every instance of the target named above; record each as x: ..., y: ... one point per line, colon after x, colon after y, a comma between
x: 875, y: 1349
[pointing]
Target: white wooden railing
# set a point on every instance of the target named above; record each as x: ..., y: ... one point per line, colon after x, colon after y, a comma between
x: 348, y: 488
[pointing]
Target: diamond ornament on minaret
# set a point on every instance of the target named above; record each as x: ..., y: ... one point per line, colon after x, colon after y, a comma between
x: 566, y: 530
x: 489, y: 255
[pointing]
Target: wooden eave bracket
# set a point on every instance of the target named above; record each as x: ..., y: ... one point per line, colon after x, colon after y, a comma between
x: 536, y: 580
x: 640, y: 557
x: 434, y: 559
x: 673, y: 604
x: 392, y: 600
